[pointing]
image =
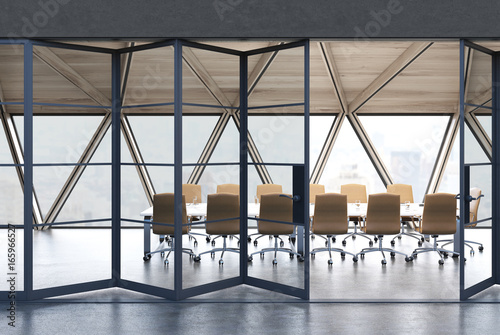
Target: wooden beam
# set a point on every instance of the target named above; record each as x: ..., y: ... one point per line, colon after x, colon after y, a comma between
x: 396, y: 67
x: 61, y: 67
x: 327, y: 55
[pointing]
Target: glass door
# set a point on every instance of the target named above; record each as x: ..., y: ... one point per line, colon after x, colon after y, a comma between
x: 274, y: 130
x: 476, y: 241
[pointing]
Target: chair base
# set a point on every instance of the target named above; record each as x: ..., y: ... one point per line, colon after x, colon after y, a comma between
x: 381, y: 249
x: 466, y: 242
x: 276, y: 249
x: 330, y: 249
x: 223, y: 249
x: 161, y: 250
x: 419, y: 237
x: 441, y: 252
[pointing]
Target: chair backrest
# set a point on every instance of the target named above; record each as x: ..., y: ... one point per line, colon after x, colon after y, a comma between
x: 191, y: 191
x: 330, y: 214
x: 314, y: 190
x: 383, y: 214
x: 228, y: 188
x: 223, y: 206
x: 354, y: 192
x: 274, y: 207
x: 267, y: 189
x: 163, y: 212
x: 440, y: 214
x: 405, y: 191
x: 474, y: 204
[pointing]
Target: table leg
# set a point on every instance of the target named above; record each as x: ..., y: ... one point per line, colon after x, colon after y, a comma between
x: 147, y: 234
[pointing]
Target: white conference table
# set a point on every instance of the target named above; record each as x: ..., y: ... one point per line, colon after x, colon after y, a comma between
x: 200, y: 210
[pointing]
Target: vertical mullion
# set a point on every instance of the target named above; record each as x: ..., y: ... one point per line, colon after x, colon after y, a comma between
x: 178, y: 169
x: 116, y: 169
x: 243, y: 166
x: 306, y: 168
x: 495, y: 150
x: 460, y: 231
x: 28, y: 169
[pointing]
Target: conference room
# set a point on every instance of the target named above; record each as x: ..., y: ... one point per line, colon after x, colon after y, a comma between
x: 229, y: 170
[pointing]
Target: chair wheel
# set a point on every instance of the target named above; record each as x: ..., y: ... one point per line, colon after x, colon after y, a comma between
x: 362, y: 255
x: 208, y: 239
x: 370, y: 244
x: 419, y: 243
x: 393, y: 254
x: 197, y: 259
x: 249, y: 239
x: 375, y: 239
x: 408, y: 259
x: 270, y: 237
x: 414, y: 256
x: 313, y: 255
x: 330, y: 262
x: 344, y: 243
x: 212, y: 254
x: 221, y: 261
x: 162, y: 254
x: 393, y: 243
x: 261, y: 255
x: 255, y: 243
x: 301, y: 258
x: 213, y: 243
x: 342, y: 254
x: 441, y: 262
x: 472, y: 252
x: 384, y: 262
x: 250, y: 258
x: 275, y: 261
x: 291, y: 256
x: 282, y: 244
x: 353, y: 237
x: 326, y: 244
x: 422, y: 239
x: 146, y: 258
x: 355, y: 259
x: 481, y: 248
x: 334, y: 239
x: 195, y: 243
x: 166, y: 261
x: 445, y: 254
x: 399, y: 237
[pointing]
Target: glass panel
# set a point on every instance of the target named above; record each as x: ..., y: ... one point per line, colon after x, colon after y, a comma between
x: 349, y: 164
x: 48, y: 181
x: 478, y: 265
x: 70, y: 256
x: 89, y: 71
x: 210, y: 78
x: 12, y: 70
x: 278, y: 134
x: 474, y: 153
x: 484, y: 120
x: 478, y: 88
x: 451, y: 177
x: 11, y: 197
x: 282, y: 82
x: 319, y: 128
x: 151, y: 77
x: 480, y: 177
x: 62, y: 138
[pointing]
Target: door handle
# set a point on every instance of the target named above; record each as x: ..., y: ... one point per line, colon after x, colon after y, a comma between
x: 295, y: 198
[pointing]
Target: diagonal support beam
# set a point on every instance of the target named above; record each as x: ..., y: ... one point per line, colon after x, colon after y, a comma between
x: 17, y: 155
x: 331, y: 68
x: 480, y: 134
x: 401, y: 63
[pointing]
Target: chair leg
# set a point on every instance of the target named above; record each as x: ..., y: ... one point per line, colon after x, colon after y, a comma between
x: 222, y: 250
x: 466, y: 242
x: 356, y: 233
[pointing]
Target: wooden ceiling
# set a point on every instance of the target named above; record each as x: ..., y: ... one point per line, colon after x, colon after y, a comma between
x: 372, y: 77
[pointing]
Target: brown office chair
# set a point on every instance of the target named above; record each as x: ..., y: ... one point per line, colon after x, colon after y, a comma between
x: 405, y: 193
x: 330, y: 218
x: 229, y: 188
x: 354, y: 193
x: 382, y: 218
x: 193, y: 195
x: 163, y: 212
x: 265, y: 189
x: 314, y: 190
x: 222, y: 206
x: 278, y: 208
x: 476, y: 195
x: 439, y: 217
